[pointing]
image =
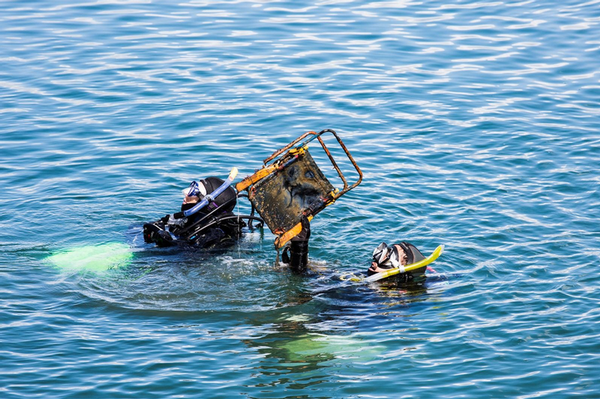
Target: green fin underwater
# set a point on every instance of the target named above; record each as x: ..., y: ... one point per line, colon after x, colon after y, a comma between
x: 95, y: 258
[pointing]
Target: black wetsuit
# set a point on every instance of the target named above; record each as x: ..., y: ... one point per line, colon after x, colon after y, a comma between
x: 212, y: 226
x: 200, y: 231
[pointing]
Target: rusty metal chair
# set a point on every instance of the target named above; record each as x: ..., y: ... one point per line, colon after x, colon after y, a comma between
x: 291, y: 185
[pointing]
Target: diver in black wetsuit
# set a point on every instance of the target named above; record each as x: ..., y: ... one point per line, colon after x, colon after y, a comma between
x: 212, y: 226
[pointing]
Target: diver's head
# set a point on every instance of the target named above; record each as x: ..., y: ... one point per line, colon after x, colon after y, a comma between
x: 396, y: 255
x: 192, y: 194
x: 198, y: 190
x: 387, y: 257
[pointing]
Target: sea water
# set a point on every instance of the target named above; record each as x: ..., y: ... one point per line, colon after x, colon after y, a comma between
x: 476, y: 125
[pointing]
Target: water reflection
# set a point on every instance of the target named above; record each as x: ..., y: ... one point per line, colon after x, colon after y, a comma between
x: 328, y: 330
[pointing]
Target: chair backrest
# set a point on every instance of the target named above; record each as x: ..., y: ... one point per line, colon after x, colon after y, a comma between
x: 282, y: 197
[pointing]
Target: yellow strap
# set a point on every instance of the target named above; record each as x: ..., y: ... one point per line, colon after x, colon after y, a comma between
x: 258, y: 175
x: 288, y: 235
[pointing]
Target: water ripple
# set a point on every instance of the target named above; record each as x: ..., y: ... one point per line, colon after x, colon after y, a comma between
x: 475, y: 124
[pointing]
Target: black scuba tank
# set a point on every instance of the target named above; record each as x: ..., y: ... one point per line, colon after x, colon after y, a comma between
x: 227, y: 198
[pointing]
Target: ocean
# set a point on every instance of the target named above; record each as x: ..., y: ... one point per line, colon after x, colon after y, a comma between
x: 476, y: 125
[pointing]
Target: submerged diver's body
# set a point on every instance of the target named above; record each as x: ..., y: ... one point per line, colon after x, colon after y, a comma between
x: 212, y: 226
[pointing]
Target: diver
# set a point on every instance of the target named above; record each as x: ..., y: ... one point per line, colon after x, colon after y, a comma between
x: 385, y: 257
x: 404, y: 253
x: 206, y: 220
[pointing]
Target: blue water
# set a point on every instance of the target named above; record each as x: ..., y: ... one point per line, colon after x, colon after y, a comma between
x: 476, y: 124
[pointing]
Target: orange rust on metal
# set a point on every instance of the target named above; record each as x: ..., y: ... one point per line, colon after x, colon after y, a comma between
x: 335, y: 165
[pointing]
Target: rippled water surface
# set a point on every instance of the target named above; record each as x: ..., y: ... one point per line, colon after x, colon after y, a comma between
x: 476, y: 125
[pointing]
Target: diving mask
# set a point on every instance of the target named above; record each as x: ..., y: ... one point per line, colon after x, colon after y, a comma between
x: 194, y: 190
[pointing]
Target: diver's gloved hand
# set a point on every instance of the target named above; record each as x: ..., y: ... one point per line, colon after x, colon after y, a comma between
x: 178, y: 215
x: 155, y: 233
x: 175, y: 221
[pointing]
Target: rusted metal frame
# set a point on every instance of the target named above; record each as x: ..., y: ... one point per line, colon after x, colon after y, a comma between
x: 313, y: 211
x: 270, y: 170
x: 284, y: 162
x: 335, y: 165
x: 287, y: 147
x: 317, y: 136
